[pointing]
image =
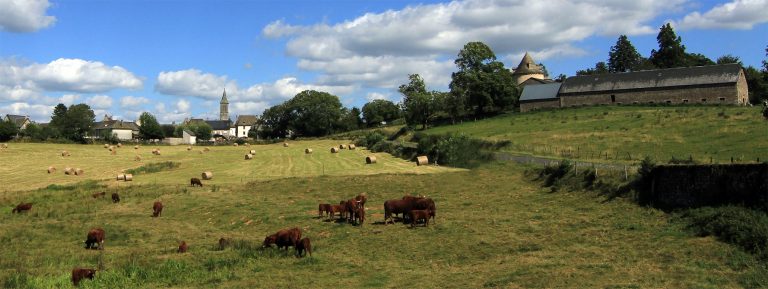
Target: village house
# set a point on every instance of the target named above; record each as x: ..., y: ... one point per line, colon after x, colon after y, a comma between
x: 123, y: 130
x: 21, y: 121
x: 244, y: 124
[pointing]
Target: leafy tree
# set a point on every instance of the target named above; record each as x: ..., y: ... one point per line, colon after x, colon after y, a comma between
x: 728, y: 59
x: 275, y: 121
x: 8, y: 130
x: 150, y: 128
x: 757, y: 85
x: 697, y: 59
x: 34, y: 131
x: 77, y: 122
x: 350, y: 119
x: 59, y: 117
x: 169, y: 130
x: 482, y: 82
x: 203, y: 131
x: 380, y: 110
x: 560, y: 77
x: 623, y: 56
x: 416, y: 101
x: 600, y: 68
x: 314, y: 113
x: 671, y: 51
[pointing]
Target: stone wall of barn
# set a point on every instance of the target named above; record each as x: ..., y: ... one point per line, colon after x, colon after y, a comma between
x: 685, y: 186
x: 733, y: 94
x: 539, y: 104
x: 742, y: 88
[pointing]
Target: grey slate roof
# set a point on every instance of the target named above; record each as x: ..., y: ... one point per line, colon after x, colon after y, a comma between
x: 115, y: 124
x: 219, y: 124
x: 246, y: 120
x: 540, y: 92
x: 684, y: 76
x: 18, y: 120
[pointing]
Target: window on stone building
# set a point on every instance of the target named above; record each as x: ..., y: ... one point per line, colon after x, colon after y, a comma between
x: 613, y: 98
x: 722, y: 99
x: 685, y: 101
x: 703, y: 100
x: 669, y: 102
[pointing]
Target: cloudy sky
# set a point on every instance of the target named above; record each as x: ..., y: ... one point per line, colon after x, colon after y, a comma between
x: 174, y: 58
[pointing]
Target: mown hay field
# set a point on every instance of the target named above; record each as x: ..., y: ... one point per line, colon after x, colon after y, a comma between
x: 25, y: 164
x: 629, y: 133
x: 496, y: 228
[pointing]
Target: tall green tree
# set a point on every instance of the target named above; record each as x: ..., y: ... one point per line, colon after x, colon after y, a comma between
x: 757, y: 85
x: 59, y: 116
x: 350, y: 119
x: 728, y: 59
x: 34, y: 131
x: 315, y: 113
x: 484, y: 84
x: 671, y: 51
x: 8, y: 130
x: 697, y: 59
x: 623, y: 56
x: 77, y: 123
x: 150, y: 128
x: 380, y: 110
x: 416, y: 101
x: 274, y: 121
x: 600, y: 68
x: 169, y: 130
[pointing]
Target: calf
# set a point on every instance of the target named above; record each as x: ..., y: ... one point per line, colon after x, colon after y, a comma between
x: 303, y: 245
x: 157, y: 208
x: 323, y: 208
x: 417, y: 215
x: 115, y: 198
x: 95, y: 238
x: 195, y: 181
x: 82, y: 273
x: 284, y: 238
x: 183, y: 247
x: 22, y: 207
x: 350, y: 206
x: 99, y: 195
x: 359, y: 215
x: 426, y: 204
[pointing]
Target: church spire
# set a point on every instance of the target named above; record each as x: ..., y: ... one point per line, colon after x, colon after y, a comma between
x: 224, y: 107
x: 224, y: 97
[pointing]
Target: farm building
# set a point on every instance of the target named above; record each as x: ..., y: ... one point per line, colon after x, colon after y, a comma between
x: 540, y: 96
x: 528, y: 72
x: 21, y: 121
x: 244, y: 124
x: 188, y: 137
x: 714, y: 84
x: 124, y: 130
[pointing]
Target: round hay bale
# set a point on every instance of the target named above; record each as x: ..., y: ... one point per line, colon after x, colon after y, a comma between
x: 422, y: 160
x: 200, y: 151
x: 5, y: 146
x: 65, y: 153
x: 308, y: 151
x: 79, y: 172
x: 285, y: 144
x: 51, y: 169
x: 114, y: 152
x: 189, y: 148
x: 137, y: 158
x: 135, y: 147
x: 234, y: 144
x: 352, y: 146
x: 119, y: 145
x: 334, y: 150
x: 106, y: 146
x: 69, y: 171
x: 370, y: 160
x: 128, y: 177
x: 342, y: 146
x: 207, y: 149
x: 247, y: 144
x: 253, y: 152
x: 121, y: 177
x: 207, y: 175
x: 248, y: 156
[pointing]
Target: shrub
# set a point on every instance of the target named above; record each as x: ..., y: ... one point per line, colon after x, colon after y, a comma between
x: 154, y: 167
x: 455, y: 150
x: 369, y: 139
x: 746, y: 228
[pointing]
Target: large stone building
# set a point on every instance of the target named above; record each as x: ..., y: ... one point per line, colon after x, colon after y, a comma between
x: 528, y: 72
x: 714, y: 84
x: 123, y: 130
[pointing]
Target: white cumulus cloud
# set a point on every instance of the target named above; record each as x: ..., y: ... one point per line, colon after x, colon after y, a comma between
x: 132, y: 101
x: 99, y: 102
x: 737, y: 14
x: 65, y: 74
x: 182, y: 105
x: 193, y: 82
x: 24, y: 15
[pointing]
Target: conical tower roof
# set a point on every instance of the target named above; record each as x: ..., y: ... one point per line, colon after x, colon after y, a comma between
x: 224, y: 97
x: 528, y: 66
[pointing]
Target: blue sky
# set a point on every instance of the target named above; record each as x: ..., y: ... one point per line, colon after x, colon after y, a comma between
x: 174, y: 58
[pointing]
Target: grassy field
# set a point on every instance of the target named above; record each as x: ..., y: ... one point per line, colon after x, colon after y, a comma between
x: 496, y: 228
x: 628, y: 133
x: 25, y: 165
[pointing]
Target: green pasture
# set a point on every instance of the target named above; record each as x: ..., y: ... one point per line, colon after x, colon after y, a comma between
x: 628, y: 133
x: 25, y: 164
x: 496, y: 228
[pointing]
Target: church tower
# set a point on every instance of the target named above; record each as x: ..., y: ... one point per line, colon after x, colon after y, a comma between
x: 528, y: 69
x: 224, y: 107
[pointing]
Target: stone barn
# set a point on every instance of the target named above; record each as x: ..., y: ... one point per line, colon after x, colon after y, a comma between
x: 715, y: 84
x: 540, y: 96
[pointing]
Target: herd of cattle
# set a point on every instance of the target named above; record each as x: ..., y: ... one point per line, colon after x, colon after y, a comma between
x: 413, y: 209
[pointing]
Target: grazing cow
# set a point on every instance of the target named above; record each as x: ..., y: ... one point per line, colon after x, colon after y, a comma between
x: 361, y: 198
x: 115, y: 198
x: 417, y: 215
x: 99, y: 195
x: 22, y: 207
x: 303, y: 245
x: 394, y: 207
x: 95, y: 238
x: 224, y: 243
x: 359, y: 215
x: 183, y: 247
x: 82, y: 273
x: 195, y: 181
x: 157, y: 208
x: 426, y: 204
x: 323, y: 208
x: 284, y: 238
x: 337, y: 208
x: 350, y: 206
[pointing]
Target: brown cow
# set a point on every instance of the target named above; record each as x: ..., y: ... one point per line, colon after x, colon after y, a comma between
x: 417, y: 215
x: 183, y: 247
x: 99, y: 195
x: 195, y: 181
x: 394, y: 207
x: 82, y: 273
x: 302, y: 246
x: 426, y: 204
x: 157, y: 208
x: 337, y: 208
x: 361, y: 198
x: 115, y: 198
x: 359, y: 215
x: 323, y: 208
x: 22, y: 207
x: 224, y: 243
x: 350, y: 206
x: 95, y: 238
x: 284, y: 238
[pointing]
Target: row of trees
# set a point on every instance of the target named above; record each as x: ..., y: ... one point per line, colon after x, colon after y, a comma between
x: 623, y: 57
x: 310, y: 113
